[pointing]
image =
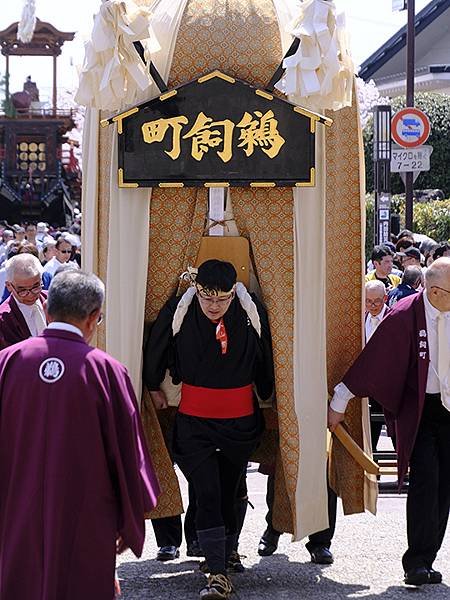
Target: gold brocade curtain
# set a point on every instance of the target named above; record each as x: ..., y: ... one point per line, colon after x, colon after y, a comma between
x: 265, y: 217
x: 345, y: 172
x: 177, y: 220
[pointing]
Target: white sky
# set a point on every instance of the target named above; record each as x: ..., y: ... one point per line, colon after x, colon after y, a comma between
x: 370, y: 24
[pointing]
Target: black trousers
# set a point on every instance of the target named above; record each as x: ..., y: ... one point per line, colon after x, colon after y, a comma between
x: 428, y: 502
x: 216, y: 482
x: 168, y: 530
x: 320, y: 538
x: 375, y: 426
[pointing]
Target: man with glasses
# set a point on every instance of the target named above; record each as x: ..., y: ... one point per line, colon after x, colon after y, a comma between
x: 215, y: 341
x: 376, y: 310
x: 63, y: 253
x: 22, y: 314
x: 412, y: 344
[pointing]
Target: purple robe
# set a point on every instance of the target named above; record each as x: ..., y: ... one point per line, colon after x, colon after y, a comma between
x: 393, y: 369
x: 74, y: 469
x: 13, y: 327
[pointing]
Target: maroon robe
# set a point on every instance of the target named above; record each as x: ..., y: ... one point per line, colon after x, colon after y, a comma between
x: 13, y: 327
x: 393, y: 369
x: 74, y: 469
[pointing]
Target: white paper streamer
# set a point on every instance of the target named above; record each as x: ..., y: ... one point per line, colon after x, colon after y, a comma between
x: 113, y: 73
x: 320, y: 74
x: 27, y: 23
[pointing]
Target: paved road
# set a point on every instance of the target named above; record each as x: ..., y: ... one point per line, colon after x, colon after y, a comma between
x: 367, y: 552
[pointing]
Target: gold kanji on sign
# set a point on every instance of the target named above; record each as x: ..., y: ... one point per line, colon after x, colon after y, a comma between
x: 155, y: 131
x: 205, y: 137
x: 257, y: 131
x: 262, y: 132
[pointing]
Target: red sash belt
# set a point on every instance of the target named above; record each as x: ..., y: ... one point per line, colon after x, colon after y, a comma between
x: 211, y: 403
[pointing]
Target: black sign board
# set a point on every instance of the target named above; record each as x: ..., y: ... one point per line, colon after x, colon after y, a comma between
x: 217, y: 131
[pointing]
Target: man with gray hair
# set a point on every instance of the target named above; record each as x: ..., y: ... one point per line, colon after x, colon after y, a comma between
x: 22, y: 314
x: 75, y: 475
x: 413, y: 345
x: 376, y: 310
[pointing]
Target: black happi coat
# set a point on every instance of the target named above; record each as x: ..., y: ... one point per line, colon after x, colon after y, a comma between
x: 194, y: 356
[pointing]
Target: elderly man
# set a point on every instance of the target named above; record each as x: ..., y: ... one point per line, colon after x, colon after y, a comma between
x: 413, y: 344
x: 376, y: 309
x: 75, y: 476
x: 22, y: 314
x: 375, y: 306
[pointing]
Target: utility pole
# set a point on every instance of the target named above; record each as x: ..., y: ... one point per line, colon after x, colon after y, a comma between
x: 410, y: 60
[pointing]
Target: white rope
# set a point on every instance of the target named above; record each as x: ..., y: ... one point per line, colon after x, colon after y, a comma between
x: 244, y: 298
x: 249, y: 306
x: 27, y: 23
x: 182, y: 309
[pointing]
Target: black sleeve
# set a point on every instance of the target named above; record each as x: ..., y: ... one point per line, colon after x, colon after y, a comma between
x: 157, y: 348
x: 264, y: 377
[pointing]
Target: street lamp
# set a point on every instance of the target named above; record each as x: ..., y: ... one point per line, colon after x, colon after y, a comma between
x: 382, y: 171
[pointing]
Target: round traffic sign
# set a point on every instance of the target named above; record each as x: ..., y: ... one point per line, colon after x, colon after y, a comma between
x: 410, y: 127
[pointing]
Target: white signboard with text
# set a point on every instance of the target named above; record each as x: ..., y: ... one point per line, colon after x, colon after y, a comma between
x: 405, y: 160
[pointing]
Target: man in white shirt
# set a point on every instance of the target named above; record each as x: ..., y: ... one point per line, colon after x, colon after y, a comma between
x: 22, y: 314
x: 375, y: 306
x: 413, y: 343
x: 376, y: 309
x: 63, y: 253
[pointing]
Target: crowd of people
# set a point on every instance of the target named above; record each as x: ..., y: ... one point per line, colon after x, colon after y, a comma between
x: 81, y: 423
x: 55, y: 248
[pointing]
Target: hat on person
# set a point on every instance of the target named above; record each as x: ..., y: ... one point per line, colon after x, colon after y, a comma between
x: 19, y: 229
x: 41, y: 227
x: 71, y: 239
x: 390, y: 245
x: 412, y: 252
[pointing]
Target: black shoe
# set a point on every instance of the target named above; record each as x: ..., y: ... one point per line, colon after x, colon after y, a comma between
x: 435, y: 576
x: 166, y: 553
x: 234, y: 564
x: 321, y: 555
x: 193, y: 549
x: 268, y: 543
x: 417, y: 576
